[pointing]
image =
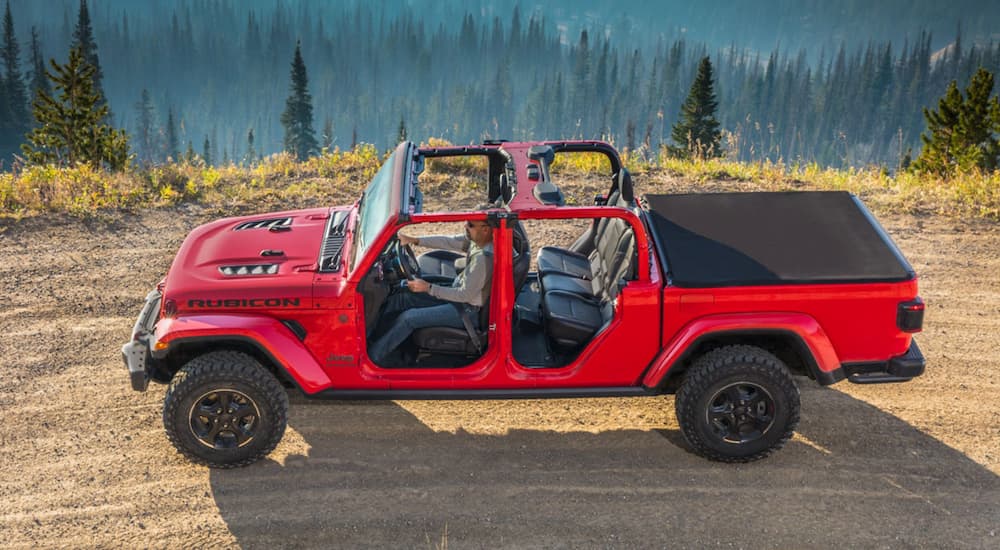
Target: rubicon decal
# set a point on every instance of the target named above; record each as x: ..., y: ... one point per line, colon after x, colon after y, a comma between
x: 253, y: 302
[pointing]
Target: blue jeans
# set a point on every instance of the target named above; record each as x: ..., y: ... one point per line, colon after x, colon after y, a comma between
x: 412, y: 311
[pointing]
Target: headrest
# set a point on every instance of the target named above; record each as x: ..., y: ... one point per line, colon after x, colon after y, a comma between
x: 506, y: 189
x: 623, y: 184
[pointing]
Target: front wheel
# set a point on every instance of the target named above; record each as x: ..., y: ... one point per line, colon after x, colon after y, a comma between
x: 737, y: 404
x: 223, y: 409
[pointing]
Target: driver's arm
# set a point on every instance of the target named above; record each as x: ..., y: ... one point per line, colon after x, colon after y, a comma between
x: 458, y: 243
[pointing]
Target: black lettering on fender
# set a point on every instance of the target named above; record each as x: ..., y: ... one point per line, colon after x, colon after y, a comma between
x: 251, y: 303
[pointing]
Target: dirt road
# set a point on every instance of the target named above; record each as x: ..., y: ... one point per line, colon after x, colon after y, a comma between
x: 84, y: 461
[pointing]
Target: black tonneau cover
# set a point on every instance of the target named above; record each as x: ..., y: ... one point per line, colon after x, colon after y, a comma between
x: 736, y: 239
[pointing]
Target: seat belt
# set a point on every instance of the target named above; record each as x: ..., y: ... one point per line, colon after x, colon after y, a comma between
x: 470, y: 327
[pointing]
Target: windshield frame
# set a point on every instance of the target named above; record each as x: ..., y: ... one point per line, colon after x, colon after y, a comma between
x: 382, y: 202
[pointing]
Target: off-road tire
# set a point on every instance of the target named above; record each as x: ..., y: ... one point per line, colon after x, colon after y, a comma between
x: 233, y: 374
x: 732, y: 370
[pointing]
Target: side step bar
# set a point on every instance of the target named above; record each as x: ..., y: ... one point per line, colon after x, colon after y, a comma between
x: 531, y: 393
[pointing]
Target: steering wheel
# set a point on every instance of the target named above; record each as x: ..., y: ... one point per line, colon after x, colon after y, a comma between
x: 406, y: 261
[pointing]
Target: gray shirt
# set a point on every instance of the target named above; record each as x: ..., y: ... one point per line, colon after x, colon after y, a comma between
x: 472, y: 286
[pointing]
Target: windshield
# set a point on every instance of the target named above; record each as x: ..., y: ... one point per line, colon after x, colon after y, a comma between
x: 376, y: 203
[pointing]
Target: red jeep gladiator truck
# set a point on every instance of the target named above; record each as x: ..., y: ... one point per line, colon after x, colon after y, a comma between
x: 717, y: 298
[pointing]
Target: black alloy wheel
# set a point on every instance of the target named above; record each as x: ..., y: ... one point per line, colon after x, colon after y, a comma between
x: 224, y: 419
x: 741, y: 412
x: 223, y: 409
x: 737, y: 404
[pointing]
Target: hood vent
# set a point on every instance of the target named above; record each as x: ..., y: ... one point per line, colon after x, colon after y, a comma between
x: 330, y: 257
x: 273, y: 224
x: 244, y: 270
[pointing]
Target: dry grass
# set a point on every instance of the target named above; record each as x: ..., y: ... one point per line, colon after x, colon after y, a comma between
x: 970, y: 194
x: 338, y: 176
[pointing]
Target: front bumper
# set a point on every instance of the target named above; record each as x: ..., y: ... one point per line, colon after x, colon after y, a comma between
x: 898, y: 369
x: 135, y: 353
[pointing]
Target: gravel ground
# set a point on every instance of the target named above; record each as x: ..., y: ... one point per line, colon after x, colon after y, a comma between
x: 85, y: 462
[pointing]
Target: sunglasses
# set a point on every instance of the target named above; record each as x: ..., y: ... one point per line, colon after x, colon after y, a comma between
x: 472, y: 225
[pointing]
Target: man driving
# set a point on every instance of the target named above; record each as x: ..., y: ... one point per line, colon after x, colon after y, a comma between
x: 423, y: 304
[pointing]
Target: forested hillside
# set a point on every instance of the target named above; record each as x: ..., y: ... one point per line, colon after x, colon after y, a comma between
x: 220, y: 69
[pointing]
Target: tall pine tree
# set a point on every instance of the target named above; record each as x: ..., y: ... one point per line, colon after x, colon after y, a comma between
x: 39, y: 82
x: 206, y: 151
x: 697, y: 132
x: 300, y: 138
x: 145, y: 127
x: 83, y: 38
x: 14, y: 117
x: 251, y: 156
x: 327, y: 134
x: 171, y: 142
x: 580, y: 92
x: 70, y: 127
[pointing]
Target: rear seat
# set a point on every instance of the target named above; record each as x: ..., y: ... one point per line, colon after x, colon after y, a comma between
x: 552, y: 259
x: 615, y: 250
x: 571, y: 320
x: 576, y: 307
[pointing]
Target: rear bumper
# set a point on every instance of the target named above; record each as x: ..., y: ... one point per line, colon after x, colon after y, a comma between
x: 898, y: 369
x: 135, y: 353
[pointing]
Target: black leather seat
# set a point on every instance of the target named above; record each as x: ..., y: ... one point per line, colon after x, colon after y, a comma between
x: 453, y: 341
x: 565, y: 283
x: 575, y: 308
x: 441, y: 263
x: 613, y: 250
x: 552, y: 259
x: 450, y: 340
x: 446, y: 263
x: 582, y: 261
x: 522, y: 256
x: 571, y: 320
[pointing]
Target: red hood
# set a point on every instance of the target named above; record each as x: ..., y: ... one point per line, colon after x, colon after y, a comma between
x: 261, y: 256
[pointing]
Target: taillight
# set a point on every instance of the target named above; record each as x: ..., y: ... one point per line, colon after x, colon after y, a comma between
x: 910, y: 315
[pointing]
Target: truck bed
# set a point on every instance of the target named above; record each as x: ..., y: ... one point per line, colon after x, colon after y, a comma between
x: 752, y: 239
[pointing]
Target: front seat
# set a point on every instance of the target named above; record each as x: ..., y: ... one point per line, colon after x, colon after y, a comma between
x: 522, y: 257
x: 441, y: 264
x: 456, y: 341
x: 453, y: 341
x: 438, y: 266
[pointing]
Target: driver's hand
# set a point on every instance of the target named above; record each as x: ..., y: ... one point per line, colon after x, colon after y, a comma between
x: 418, y: 285
x: 409, y: 241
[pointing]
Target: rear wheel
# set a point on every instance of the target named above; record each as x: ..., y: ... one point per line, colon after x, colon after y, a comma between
x: 737, y: 404
x: 223, y: 409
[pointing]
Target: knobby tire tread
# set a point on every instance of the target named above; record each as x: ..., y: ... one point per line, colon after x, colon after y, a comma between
x: 232, y: 366
x: 707, y: 370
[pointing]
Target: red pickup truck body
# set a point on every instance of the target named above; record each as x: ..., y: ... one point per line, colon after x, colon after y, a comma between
x: 293, y: 291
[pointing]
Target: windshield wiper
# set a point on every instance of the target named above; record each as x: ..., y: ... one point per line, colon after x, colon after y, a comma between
x: 361, y: 202
x: 357, y: 222
x: 339, y: 229
x: 355, y: 230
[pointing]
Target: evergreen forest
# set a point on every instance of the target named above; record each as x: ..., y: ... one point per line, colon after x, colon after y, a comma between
x: 212, y: 76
